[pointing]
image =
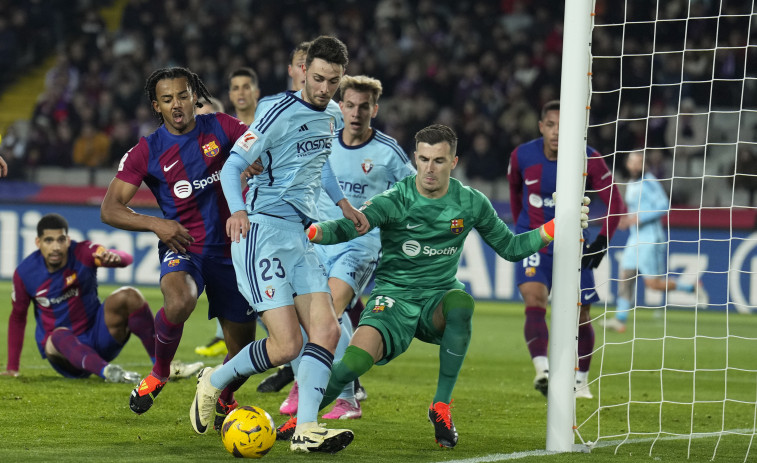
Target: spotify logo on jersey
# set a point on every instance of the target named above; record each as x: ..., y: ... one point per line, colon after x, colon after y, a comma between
x: 182, y: 189
x: 412, y: 248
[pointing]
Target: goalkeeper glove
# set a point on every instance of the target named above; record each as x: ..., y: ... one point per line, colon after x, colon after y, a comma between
x: 548, y: 229
x: 594, y: 252
x: 312, y: 232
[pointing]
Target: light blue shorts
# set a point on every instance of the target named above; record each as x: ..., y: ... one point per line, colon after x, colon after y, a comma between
x: 275, y: 263
x: 649, y: 258
x: 350, y: 262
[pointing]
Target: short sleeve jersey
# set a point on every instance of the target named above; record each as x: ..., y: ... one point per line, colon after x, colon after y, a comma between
x: 364, y: 171
x: 646, y: 197
x: 533, y: 179
x: 64, y: 298
x: 183, y: 173
x: 293, y: 139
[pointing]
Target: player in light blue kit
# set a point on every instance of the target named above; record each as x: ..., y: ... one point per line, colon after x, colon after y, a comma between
x: 277, y: 268
x: 646, y: 251
x: 296, y: 70
x: 366, y: 162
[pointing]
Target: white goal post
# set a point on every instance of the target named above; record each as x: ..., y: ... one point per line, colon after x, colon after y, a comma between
x: 675, y: 80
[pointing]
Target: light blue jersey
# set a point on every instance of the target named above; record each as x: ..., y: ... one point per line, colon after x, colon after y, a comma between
x: 364, y: 171
x: 265, y: 103
x: 646, y: 247
x: 293, y: 139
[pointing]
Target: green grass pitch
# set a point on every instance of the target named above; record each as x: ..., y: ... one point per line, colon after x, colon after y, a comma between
x: 500, y: 417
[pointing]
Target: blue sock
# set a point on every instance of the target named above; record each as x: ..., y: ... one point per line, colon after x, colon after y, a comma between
x: 313, y: 376
x: 344, y: 341
x: 624, y: 305
x: 251, y: 360
x: 685, y: 287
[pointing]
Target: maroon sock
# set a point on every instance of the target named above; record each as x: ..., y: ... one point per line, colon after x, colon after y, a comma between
x: 536, y: 332
x: 585, y: 345
x: 355, y: 312
x: 142, y: 324
x: 80, y: 355
x: 167, y: 337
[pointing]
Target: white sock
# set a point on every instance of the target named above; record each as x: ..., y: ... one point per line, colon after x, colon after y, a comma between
x: 582, y: 377
x: 541, y: 364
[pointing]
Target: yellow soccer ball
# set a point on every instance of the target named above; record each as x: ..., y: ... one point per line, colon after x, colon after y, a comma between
x: 248, y: 432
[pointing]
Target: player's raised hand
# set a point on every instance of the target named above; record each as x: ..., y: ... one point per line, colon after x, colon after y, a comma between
x: 106, y: 258
x: 174, y: 235
x: 358, y: 218
x: 238, y: 224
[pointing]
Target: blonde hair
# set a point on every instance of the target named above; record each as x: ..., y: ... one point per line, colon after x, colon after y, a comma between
x: 362, y: 84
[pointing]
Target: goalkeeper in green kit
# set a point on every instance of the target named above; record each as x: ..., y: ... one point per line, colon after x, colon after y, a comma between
x: 424, y: 220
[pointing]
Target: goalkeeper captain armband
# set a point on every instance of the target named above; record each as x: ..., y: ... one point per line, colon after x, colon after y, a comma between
x: 549, y: 230
x: 312, y: 231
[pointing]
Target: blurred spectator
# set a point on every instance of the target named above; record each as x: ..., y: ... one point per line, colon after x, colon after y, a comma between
x: 122, y: 138
x: 91, y: 147
x: 479, y: 65
x: 745, y: 169
x: 687, y: 135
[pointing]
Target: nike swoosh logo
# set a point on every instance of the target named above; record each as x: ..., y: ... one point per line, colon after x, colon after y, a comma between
x: 320, y: 433
x: 167, y: 168
x: 39, y: 293
x: 250, y: 311
x: 410, y: 227
x: 531, y: 182
x: 607, y: 174
x: 590, y: 295
x: 200, y: 428
x: 452, y: 353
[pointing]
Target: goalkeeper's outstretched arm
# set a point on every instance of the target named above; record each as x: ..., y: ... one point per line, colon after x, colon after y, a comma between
x: 334, y: 231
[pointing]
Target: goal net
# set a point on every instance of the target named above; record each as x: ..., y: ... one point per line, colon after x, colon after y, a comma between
x: 676, y: 81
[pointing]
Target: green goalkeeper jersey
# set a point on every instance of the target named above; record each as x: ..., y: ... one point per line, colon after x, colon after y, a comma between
x: 422, y: 238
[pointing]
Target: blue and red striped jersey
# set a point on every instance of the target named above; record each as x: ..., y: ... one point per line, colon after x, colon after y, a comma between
x: 64, y: 298
x: 533, y: 179
x: 182, y: 171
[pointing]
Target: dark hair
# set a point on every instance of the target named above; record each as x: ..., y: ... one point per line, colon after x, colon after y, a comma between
x: 51, y: 222
x: 195, y: 83
x: 553, y: 105
x: 245, y: 72
x: 437, y: 133
x: 301, y: 47
x: 329, y: 49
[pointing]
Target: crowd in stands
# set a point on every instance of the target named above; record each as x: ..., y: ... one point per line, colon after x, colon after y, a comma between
x: 483, y: 67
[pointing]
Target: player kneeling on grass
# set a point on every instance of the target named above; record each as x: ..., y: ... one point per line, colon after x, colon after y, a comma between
x: 424, y: 220
x: 75, y: 332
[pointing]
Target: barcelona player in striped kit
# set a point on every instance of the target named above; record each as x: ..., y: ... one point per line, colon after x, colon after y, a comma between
x: 532, y: 175
x: 181, y: 162
x: 75, y: 332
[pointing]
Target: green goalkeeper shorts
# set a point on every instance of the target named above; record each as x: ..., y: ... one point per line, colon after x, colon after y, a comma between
x: 402, y: 316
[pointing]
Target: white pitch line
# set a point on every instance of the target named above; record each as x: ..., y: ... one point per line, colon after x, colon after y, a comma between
x: 536, y: 453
